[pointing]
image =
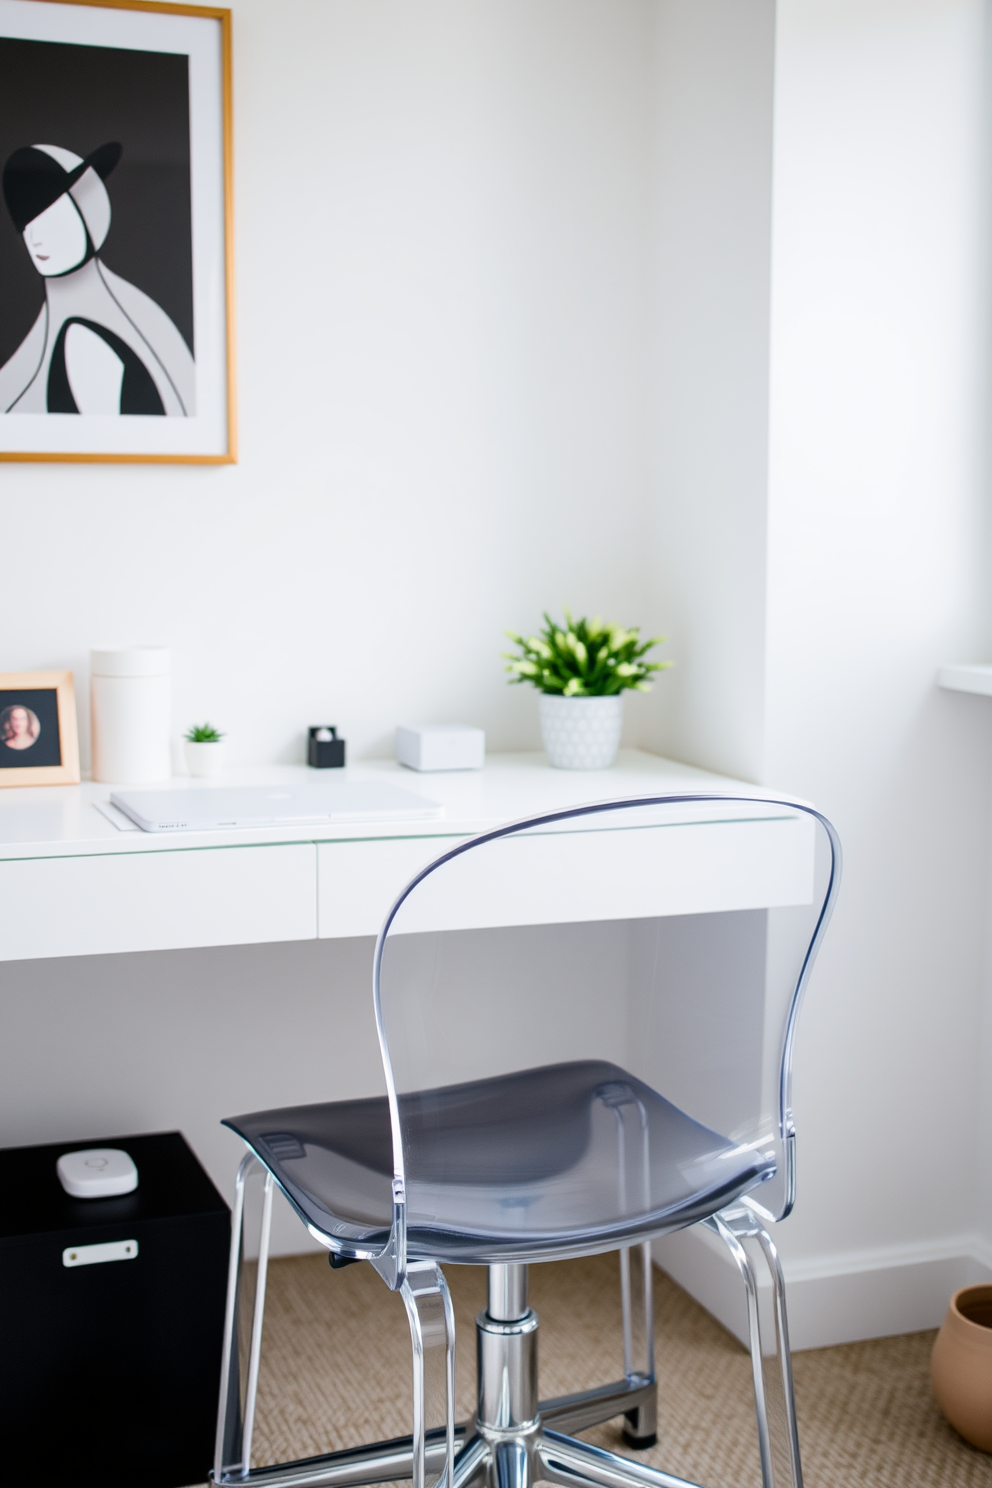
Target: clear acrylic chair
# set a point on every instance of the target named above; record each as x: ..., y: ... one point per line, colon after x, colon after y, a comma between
x: 586, y: 1022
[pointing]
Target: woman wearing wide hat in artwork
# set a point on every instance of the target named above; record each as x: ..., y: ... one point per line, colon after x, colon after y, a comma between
x: 99, y: 344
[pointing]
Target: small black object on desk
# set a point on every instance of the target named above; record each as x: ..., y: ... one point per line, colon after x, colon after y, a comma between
x: 325, y: 751
x: 109, y: 1372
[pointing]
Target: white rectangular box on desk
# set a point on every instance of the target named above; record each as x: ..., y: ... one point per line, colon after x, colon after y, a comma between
x: 441, y: 746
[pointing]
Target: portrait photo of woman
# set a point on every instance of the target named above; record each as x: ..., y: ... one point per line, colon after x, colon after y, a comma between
x: 38, y: 741
x: 19, y: 727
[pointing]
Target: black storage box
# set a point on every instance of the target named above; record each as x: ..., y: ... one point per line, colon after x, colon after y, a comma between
x: 109, y: 1373
x: 325, y: 754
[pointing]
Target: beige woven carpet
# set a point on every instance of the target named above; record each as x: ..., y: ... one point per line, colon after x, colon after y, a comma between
x: 336, y: 1371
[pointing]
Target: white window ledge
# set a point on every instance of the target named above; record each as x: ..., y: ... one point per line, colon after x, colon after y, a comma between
x: 967, y: 677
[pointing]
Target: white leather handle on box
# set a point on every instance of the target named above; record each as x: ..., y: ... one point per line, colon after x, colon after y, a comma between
x: 96, y: 1255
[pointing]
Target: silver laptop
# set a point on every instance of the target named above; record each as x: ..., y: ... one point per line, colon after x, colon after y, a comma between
x: 309, y: 804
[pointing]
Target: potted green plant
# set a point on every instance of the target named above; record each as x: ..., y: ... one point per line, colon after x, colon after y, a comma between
x: 205, y: 750
x: 582, y: 669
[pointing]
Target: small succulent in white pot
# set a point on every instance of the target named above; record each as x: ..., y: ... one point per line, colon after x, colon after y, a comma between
x: 582, y: 669
x: 205, y: 750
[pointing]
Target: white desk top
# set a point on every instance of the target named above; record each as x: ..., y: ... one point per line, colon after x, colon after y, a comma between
x: 63, y: 821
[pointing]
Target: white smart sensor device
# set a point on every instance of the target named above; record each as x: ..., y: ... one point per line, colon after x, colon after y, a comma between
x: 97, y: 1173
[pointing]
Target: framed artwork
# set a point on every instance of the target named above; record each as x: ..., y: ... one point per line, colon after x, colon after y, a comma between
x: 38, y: 740
x: 116, y: 325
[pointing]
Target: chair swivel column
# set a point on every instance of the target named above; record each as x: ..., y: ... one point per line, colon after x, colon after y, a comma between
x: 507, y: 1293
x: 506, y: 1335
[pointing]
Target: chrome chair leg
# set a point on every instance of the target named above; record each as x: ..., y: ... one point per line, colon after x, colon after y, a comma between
x: 578, y: 1464
x: 472, y: 1462
x: 427, y: 1456
x: 257, y: 1318
x: 510, y: 1464
x: 356, y: 1467
x: 229, y: 1442
x: 635, y: 1396
x: 778, y: 1437
x: 784, y: 1353
x: 432, y: 1330
x: 634, y: 1174
x: 637, y: 1298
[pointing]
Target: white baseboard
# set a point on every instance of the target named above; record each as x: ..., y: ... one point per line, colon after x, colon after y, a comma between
x: 837, y: 1300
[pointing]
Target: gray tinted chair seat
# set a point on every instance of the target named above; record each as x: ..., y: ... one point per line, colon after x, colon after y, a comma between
x: 696, y: 976
x: 540, y: 1129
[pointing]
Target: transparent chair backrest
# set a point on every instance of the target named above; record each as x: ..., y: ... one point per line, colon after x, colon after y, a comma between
x: 668, y: 938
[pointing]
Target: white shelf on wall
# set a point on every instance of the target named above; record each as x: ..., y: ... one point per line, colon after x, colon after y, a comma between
x: 967, y: 677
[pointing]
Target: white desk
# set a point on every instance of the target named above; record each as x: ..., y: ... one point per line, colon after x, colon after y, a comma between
x: 72, y: 884
x: 213, y: 1020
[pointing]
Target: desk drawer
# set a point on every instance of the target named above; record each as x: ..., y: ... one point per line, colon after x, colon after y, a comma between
x: 358, y: 881
x: 560, y: 877
x: 153, y: 901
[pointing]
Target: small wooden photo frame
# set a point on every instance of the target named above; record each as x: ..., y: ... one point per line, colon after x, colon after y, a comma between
x: 39, y: 744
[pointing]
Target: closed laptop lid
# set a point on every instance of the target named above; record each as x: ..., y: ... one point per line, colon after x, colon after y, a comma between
x: 214, y: 807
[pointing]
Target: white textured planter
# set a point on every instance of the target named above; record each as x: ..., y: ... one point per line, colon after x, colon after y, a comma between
x: 205, y: 758
x: 581, y: 733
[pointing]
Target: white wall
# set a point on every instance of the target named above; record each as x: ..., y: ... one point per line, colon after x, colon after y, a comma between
x: 441, y: 259
x: 876, y: 516
x: 442, y: 255
x: 504, y: 327
x: 876, y: 572
x: 711, y: 175
x: 876, y: 511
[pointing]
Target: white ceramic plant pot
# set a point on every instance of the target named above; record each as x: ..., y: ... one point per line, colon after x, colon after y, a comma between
x: 205, y: 758
x: 581, y: 733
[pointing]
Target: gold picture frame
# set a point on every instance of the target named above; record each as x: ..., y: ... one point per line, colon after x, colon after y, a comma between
x: 208, y: 424
x: 27, y: 708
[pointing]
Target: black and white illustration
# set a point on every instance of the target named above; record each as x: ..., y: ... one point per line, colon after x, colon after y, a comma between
x: 100, y: 345
x: 113, y: 313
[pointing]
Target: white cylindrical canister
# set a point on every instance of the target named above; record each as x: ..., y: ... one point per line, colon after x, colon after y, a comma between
x: 131, y: 713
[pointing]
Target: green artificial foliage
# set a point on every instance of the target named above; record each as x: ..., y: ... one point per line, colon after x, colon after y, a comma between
x: 203, y: 733
x: 584, y: 658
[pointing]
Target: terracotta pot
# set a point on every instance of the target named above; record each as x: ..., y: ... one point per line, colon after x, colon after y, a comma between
x: 961, y: 1365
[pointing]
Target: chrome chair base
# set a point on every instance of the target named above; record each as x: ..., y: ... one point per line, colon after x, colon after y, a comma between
x: 516, y: 1439
x: 514, y: 1455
